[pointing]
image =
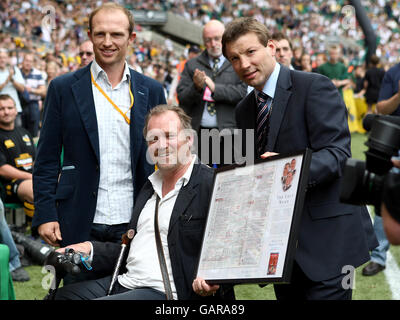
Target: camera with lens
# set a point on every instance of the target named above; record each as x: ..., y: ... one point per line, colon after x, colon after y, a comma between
x: 69, y: 262
x: 363, y: 182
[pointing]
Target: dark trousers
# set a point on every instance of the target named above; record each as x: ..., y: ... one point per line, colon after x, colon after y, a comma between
x: 102, y: 233
x: 97, y: 289
x: 302, y: 288
x: 107, y: 233
x: 31, y: 118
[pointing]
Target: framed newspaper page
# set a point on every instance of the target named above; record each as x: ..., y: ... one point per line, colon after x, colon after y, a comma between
x: 253, y: 220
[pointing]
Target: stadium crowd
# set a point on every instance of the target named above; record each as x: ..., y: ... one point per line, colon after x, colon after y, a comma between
x: 309, y: 27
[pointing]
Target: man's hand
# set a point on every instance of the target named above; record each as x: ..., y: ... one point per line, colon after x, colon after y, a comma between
x: 11, y: 72
x: 203, y: 289
x: 210, y: 83
x: 50, y: 233
x: 268, y: 154
x: 199, y: 78
x: 84, y: 247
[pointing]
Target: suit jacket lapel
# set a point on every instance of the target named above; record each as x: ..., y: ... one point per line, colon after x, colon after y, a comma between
x: 83, y: 94
x: 184, y: 198
x: 281, y: 98
x: 138, y: 114
x: 224, y: 66
x: 249, y: 112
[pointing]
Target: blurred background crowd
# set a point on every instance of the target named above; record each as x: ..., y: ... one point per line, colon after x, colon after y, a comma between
x: 43, y: 39
x: 310, y: 25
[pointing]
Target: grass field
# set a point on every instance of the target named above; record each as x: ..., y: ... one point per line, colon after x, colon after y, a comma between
x: 366, y: 288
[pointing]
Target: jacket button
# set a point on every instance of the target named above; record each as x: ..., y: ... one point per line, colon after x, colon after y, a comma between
x: 94, y: 193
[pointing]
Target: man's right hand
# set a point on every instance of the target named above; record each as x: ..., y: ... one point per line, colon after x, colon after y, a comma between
x: 199, y: 78
x: 50, y: 233
x: 83, y: 247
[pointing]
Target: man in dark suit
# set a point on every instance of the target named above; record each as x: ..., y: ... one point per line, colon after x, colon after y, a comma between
x: 290, y: 111
x: 208, y: 91
x: 96, y: 115
x: 181, y: 190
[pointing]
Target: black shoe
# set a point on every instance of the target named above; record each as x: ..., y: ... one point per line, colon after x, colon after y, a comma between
x: 20, y: 275
x: 25, y: 261
x: 372, y: 269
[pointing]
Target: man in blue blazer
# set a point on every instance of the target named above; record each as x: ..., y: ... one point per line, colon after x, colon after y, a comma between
x: 291, y: 111
x: 96, y: 115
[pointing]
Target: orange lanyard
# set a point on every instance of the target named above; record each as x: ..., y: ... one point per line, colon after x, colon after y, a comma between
x: 128, y: 121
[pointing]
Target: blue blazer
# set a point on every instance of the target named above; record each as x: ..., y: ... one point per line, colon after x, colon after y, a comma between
x: 69, y: 194
x: 308, y: 112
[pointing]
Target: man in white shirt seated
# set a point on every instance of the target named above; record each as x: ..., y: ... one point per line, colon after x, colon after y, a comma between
x: 180, y: 189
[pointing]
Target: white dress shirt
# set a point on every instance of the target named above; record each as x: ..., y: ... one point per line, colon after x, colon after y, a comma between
x: 115, y: 193
x: 142, y: 262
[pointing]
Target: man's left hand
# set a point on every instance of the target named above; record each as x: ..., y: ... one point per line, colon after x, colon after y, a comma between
x: 268, y: 154
x: 203, y: 289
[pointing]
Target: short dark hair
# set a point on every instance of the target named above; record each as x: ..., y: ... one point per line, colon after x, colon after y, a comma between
x: 113, y: 6
x: 278, y: 36
x: 374, y: 60
x: 4, y: 97
x: 241, y: 26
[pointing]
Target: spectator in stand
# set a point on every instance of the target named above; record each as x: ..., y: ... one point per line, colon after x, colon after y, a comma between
x: 335, y: 70
x: 86, y: 53
x: 357, y: 80
x: 132, y: 62
x: 296, y: 60
x: 307, y: 24
x: 372, y: 82
x: 36, y: 89
x: 52, y: 71
x: 305, y: 62
x: 208, y: 92
x: 320, y: 59
x: 193, y: 52
x: 11, y: 81
x: 17, y: 155
x: 18, y: 273
x: 284, y: 52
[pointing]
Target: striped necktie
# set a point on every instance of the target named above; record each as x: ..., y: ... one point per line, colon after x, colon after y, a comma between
x: 211, y: 105
x: 264, y: 103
